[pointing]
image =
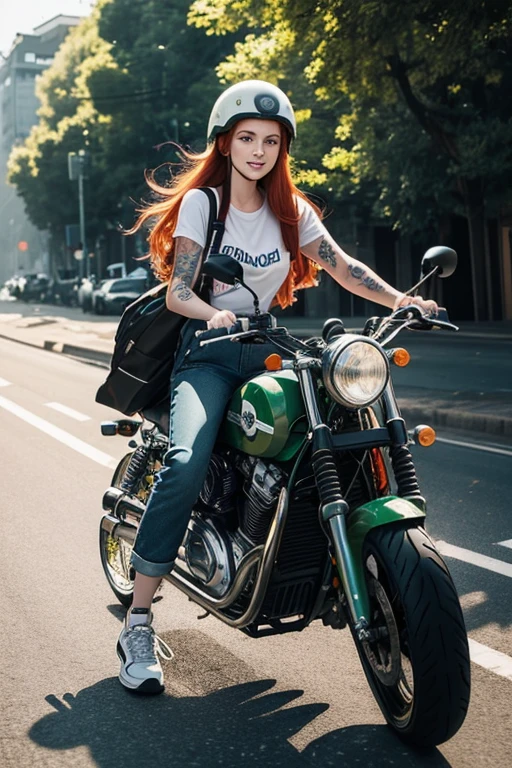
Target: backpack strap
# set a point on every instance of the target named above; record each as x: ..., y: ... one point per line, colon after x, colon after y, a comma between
x: 215, y: 225
x: 214, y: 236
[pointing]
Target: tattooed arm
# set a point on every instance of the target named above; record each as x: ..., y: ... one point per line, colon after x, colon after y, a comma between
x: 180, y: 296
x: 351, y: 274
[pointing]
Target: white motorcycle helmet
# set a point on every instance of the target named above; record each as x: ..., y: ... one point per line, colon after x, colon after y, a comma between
x: 251, y: 98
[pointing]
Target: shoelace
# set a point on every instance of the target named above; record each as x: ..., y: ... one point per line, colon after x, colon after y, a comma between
x: 144, y: 644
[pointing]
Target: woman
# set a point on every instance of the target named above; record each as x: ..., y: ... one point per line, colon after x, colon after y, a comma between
x: 277, y: 234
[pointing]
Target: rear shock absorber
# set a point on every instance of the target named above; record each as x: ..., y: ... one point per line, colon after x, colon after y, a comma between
x: 135, y: 469
x: 405, y: 474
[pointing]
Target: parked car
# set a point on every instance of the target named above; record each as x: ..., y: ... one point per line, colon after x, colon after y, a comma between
x: 35, y: 286
x: 12, y: 286
x: 64, y: 288
x: 113, y: 296
x: 116, y: 271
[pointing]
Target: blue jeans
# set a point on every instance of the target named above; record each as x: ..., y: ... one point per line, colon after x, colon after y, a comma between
x: 203, y: 381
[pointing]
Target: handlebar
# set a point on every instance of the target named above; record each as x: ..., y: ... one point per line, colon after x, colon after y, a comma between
x: 411, y: 317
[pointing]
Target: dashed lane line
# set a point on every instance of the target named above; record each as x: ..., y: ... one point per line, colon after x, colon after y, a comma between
x: 507, y: 543
x: 68, y: 411
x: 59, y: 434
x: 488, y: 658
x: 474, y: 558
x: 4, y: 383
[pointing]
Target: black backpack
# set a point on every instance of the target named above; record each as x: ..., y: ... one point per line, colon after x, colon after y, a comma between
x: 146, y: 341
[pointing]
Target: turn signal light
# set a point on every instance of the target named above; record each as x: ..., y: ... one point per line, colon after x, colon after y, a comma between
x: 400, y: 357
x: 274, y: 362
x: 424, y: 435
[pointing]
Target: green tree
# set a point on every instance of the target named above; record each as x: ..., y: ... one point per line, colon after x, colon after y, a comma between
x: 68, y: 122
x: 422, y: 91
x: 129, y: 78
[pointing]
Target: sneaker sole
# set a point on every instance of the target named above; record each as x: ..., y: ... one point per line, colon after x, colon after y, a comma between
x: 149, y: 687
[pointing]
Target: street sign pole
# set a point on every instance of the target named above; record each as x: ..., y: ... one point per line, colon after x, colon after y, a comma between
x: 77, y: 172
x: 84, y: 263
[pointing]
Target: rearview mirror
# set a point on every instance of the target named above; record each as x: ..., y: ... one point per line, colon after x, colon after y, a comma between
x: 224, y: 268
x: 445, y: 259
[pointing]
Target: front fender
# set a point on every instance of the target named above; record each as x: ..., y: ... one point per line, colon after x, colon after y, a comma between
x: 348, y: 539
x: 388, y: 509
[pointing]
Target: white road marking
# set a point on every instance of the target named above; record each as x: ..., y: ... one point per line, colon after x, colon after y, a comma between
x: 495, y: 661
x: 476, y: 446
x: 59, y: 434
x: 4, y: 383
x: 474, y: 558
x: 507, y: 543
x: 68, y: 411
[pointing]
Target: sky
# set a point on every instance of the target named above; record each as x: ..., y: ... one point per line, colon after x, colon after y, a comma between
x: 23, y: 15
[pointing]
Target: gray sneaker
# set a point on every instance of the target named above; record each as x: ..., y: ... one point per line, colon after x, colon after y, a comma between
x: 138, y: 649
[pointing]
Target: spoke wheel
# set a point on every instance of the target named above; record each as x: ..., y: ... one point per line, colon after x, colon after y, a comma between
x: 115, y: 553
x: 417, y: 662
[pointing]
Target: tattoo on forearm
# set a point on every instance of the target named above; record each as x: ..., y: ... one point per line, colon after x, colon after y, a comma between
x: 326, y: 252
x: 187, y: 259
x: 358, y: 273
x: 182, y: 291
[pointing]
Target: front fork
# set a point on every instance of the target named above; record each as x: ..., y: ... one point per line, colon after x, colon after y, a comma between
x: 334, y: 508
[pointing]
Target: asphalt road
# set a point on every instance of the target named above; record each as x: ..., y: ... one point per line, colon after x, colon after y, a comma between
x: 294, y: 700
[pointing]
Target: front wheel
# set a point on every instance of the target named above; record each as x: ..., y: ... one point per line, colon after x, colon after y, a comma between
x: 417, y: 662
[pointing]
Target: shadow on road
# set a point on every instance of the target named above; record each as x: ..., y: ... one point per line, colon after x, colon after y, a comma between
x: 207, y: 717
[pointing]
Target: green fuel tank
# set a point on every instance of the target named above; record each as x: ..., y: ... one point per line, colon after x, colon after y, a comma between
x: 266, y: 417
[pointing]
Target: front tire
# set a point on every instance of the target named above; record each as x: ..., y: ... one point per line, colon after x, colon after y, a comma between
x: 419, y: 667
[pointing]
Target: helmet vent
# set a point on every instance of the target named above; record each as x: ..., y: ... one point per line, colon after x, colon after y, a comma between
x: 266, y: 104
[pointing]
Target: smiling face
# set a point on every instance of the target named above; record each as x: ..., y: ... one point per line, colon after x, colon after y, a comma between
x: 255, y: 147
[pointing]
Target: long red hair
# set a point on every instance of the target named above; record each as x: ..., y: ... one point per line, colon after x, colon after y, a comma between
x: 209, y: 169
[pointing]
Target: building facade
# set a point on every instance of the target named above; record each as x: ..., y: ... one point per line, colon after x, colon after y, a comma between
x: 23, y: 247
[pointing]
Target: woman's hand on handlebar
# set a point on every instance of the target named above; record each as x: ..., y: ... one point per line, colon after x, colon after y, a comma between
x: 221, y: 319
x: 428, y: 306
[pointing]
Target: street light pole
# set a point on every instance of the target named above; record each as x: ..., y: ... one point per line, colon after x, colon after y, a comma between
x: 85, y: 258
x: 77, y: 172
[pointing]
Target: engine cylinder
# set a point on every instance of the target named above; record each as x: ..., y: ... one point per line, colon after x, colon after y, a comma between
x: 262, y: 491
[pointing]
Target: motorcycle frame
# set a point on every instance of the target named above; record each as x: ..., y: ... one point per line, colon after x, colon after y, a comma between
x: 347, y: 533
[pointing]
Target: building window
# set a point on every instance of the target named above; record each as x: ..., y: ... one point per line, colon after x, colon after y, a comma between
x: 30, y: 58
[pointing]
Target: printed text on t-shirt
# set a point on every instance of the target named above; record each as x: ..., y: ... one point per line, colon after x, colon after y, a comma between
x: 263, y: 260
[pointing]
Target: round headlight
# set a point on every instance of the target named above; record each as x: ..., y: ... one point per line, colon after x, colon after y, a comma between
x: 355, y: 370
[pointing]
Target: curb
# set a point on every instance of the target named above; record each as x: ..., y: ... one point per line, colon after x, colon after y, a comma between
x: 84, y: 353
x: 499, y: 426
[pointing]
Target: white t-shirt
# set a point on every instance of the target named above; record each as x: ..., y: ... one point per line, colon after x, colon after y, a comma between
x: 255, y: 240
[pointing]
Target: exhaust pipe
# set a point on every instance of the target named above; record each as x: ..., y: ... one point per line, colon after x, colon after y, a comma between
x: 122, y: 506
x: 113, y: 527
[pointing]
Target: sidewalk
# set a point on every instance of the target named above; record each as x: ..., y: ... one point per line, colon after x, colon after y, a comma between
x: 487, y: 413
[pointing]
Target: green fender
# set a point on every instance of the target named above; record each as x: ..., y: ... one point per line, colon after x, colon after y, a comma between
x: 374, y: 514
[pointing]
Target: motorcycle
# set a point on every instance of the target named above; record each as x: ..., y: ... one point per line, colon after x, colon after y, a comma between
x: 311, y: 511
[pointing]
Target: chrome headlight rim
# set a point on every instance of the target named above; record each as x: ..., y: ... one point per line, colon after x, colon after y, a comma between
x: 331, y: 357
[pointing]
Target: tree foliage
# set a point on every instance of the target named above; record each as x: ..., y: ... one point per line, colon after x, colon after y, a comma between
x: 417, y: 91
x: 127, y: 79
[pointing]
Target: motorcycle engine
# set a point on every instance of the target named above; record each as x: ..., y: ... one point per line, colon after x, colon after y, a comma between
x: 219, y: 486
x: 262, y: 487
x: 212, y: 550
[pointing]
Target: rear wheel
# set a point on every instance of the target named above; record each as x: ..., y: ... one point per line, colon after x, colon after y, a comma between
x: 115, y: 553
x: 417, y: 663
